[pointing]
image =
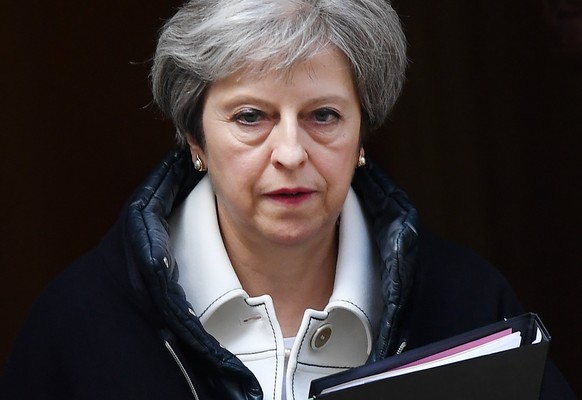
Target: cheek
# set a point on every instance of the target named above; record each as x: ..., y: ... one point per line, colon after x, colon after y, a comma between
x: 234, y: 170
x: 341, y: 160
x: 337, y: 170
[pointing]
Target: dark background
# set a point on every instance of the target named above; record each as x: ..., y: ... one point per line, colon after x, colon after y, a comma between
x: 486, y: 140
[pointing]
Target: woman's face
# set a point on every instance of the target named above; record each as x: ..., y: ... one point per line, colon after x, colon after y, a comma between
x: 281, y: 149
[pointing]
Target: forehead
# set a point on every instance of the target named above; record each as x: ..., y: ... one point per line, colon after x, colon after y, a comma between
x: 328, y: 65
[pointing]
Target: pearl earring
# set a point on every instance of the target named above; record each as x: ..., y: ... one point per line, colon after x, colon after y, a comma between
x: 199, y: 164
x: 361, y: 159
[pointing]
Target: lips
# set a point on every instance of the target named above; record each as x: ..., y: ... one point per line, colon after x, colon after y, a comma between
x: 290, y: 196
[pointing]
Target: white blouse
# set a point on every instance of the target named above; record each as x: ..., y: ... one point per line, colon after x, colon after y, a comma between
x: 330, y: 340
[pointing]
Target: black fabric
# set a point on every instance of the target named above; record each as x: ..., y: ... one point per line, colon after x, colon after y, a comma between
x: 394, y: 222
x: 116, y: 325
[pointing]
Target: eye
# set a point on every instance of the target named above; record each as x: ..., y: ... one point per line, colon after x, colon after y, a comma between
x: 249, y: 116
x: 325, y: 115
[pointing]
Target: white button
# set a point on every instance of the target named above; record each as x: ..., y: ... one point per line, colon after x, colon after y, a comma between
x: 167, y: 262
x: 321, y: 337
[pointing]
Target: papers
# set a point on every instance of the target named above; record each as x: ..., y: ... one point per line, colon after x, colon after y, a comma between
x: 502, y: 361
x: 500, y: 341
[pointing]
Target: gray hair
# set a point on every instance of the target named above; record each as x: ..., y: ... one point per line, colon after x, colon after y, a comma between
x: 207, y: 40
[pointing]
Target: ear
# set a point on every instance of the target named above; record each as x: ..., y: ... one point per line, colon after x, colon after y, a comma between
x: 361, y: 158
x: 362, y: 152
x: 195, y: 149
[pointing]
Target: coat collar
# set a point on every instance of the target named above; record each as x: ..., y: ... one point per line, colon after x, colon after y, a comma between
x: 230, y: 315
x: 153, y: 273
x: 196, y: 243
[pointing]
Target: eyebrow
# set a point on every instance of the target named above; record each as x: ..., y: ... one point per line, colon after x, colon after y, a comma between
x: 249, y: 98
x: 245, y: 98
x: 341, y: 100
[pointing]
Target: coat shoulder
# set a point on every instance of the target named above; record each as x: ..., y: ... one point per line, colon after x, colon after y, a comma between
x: 455, y: 290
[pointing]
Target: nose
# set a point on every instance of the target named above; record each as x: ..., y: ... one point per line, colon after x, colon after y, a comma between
x: 288, y: 150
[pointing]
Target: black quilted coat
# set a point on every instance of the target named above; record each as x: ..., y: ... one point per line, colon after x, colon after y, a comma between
x: 117, y: 325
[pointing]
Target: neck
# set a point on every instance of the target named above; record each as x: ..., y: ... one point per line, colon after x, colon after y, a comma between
x: 296, y: 277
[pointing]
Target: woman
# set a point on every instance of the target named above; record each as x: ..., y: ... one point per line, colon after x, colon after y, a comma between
x: 266, y: 252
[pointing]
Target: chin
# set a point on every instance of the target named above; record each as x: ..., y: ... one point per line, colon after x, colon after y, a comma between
x: 295, y: 235
x: 288, y: 238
